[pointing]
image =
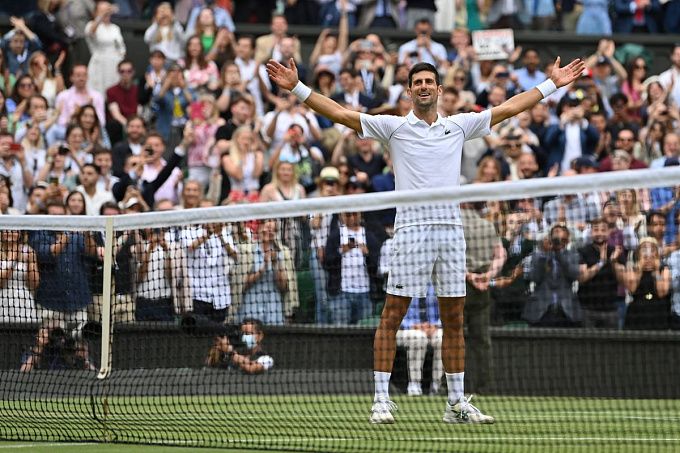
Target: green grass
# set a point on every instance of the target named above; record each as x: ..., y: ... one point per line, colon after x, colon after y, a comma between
x: 337, y: 423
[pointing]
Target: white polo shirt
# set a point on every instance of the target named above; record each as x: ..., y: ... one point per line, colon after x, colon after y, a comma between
x: 426, y: 156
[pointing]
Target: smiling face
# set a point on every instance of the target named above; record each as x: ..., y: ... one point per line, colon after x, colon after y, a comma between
x: 424, y: 90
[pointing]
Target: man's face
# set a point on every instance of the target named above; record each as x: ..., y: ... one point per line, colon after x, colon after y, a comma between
x: 5, y: 142
x: 244, y: 48
x: 526, y: 165
x: 657, y: 228
x: 79, y: 77
x: 599, y: 233
x: 279, y: 26
x: 599, y: 122
x: 37, y: 196
x: 36, y: 106
x: 459, y: 38
x: 602, y: 71
x: 126, y: 73
x: 424, y: 90
x: 611, y: 213
x: 559, y: 239
x: 512, y: 148
x: 88, y: 176
x: 423, y: 29
x: 531, y: 60
x: 17, y: 43
x: 287, y: 48
x: 135, y: 130
x: 157, y: 145
x: 56, y: 210
x: 671, y: 145
x: 241, y: 112
x: 250, y: 329
x: 157, y: 62
x: 191, y: 194
x: 496, y: 96
x: 351, y: 219
x: 346, y: 82
x: 449, y: 102
x: 514, y: 222
x: 626, y: 141
x: 103, y: 161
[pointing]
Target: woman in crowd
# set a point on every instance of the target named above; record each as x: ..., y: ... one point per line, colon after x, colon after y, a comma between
x: 47, y: 83
x: 233, y: 87
x: 35, y: 148
x: 243, y: 163
x: 202, y: 159
x: 199, y: 73
x: 75, y: 203
x: 270, y: 287
x: 633, y: 87
x: 59, y: 167
x: 165, y: 33
x: 17, y: 104
x: 205, y: 28
x: 648, y: 282
x: 630, y: 211
x: 94, y: 135
x: 4, y: 116
x: 7, y: 79
x: 106, y: 46
x: 19, y: 278
x: 330, y: 49
x: 488, y: 170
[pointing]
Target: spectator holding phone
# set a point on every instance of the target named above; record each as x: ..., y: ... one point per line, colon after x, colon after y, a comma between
x: 203, y: 158
x: 13, y: 166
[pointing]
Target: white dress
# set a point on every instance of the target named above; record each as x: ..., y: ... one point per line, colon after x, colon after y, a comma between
x: 16, y: 300
x: 108, y: 49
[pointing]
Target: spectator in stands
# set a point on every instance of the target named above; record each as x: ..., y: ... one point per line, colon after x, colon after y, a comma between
x: 172, y: 102
x: 485, y: 257
x: 573, y: 137
x: 632, y: 87
x: 271, y: 284
x: 319, y: 225
x: 421, y: 327
x: 554, y: 269
x: 308, y: 159
x: 505, y: 14
x: 63, y: 292
x: 379, y: 14
x: 670, y: 148
x: 94, y: 132
x: 288, y: 111
x: 103, y: 160
x: 43, y: 22
x: 594, y: 19
x: 649, y: 282
x: 165, y: 33
x: 351, y: 260
x: 69, y: 101
x: 529, y: 75
x: 243, y: 163
x: 75, y: 203
x: 423, y: 48
x: 626, y: 141
x: 246, y: 355
x: 13, y: 166
x: 154, y: 270
x: 19, y: 278
x: 329, y: 50
x: 48, y: 82
x: 94, y: 196
x: 657, y: 229
x: 39, y: 116
x: 17, y: 103
x: 154, y: 164
x: 269, y: 46
x: 202, y: 157
x: 251, y: 71
x: 204, y: 22
x: 509, y: 288
x: 631, y: 215
x: 18, y: 44
x: 199, y: 73
x: 135, y: 129
x: 35, y: 148
x: 122, y: 101
x: 598, y: 286
x: 670, y: 77
x: 106, y: 46
x: 208, y: 249
x: 636, y: 17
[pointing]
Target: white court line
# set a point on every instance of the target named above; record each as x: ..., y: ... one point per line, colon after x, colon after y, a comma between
x: 56, y: 445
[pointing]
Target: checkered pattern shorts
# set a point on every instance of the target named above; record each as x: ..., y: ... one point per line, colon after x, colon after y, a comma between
x: 427, y: 253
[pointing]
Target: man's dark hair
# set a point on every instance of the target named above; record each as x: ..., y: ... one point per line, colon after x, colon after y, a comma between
x: 96, y: 168
x: 77, y: 65
x: 52, y: 202
x: 255, y: 322
x: 101, y: 150
x: 135, y: 118
x: 109, y: 205
x: 424, y: 20
x: 420, y: 67
x: 6, y: 133
x: 154, y: 134
x: 635, y: 136
x: 618, y: 97
x: 559, y: 226
x: 125, y: 61
x: 654, y: 213
x: 349, y: 71
x: 598, y: 221
x: 528, y: 50
x: 451, y: 90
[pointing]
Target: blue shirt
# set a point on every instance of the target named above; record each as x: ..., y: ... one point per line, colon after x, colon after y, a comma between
x: 661, y: 196
x: 431, y: 307
x: 64, y: 278
x: 527, y: 81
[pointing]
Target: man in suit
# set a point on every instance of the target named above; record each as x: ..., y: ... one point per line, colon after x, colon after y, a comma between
x: 638, y: 16
x: 379, y: 13
x: 267, y: 46
x: 350, y: 95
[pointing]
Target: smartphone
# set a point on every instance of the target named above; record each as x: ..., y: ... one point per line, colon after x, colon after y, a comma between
x: 53, y: 180
x: 352, y: 242
x: 63, y: 151
x: 148, y: 151
x: 196, y: 111
x: 15, y: 147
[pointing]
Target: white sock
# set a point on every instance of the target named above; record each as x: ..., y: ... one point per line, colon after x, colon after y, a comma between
x: 382, y: 385
x: 455, y: 382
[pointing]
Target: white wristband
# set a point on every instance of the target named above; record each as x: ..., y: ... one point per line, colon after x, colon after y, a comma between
x: 547, y: 87
x: 301, y: 91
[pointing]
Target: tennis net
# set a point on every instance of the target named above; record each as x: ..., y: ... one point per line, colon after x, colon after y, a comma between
x: 252, y: 326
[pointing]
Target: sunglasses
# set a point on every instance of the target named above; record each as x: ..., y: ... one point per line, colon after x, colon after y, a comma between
x: 125, y: 71
x: 637, y: 66
x: 26, y: 85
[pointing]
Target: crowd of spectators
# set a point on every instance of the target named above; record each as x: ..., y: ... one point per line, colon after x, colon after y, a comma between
x: 203, y: 125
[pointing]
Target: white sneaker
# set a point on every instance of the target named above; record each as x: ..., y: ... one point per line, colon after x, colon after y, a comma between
x: 414, y: 389
x: 464, y: 412
x: 434, y: 389
x: 381, y: 412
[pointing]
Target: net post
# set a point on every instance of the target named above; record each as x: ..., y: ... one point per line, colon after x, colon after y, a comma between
x: 105, y: 366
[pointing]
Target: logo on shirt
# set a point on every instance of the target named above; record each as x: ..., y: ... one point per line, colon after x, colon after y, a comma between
x: 447, y: 132
x: 399, y: 286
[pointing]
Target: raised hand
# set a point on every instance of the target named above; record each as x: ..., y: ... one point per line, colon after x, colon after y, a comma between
x: 284, y: 77
x: 569, y: 73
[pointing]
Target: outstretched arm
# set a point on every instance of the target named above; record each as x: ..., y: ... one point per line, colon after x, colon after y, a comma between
x: 516, y: 104
x: 287, y: 78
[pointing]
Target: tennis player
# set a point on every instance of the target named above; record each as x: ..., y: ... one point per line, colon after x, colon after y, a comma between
x: 428, y: 245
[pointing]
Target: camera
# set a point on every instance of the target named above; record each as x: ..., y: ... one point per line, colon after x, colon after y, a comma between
x: 63, y: 151
x: 149, y: 151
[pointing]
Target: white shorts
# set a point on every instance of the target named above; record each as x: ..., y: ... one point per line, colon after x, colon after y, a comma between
x: 427, y: 254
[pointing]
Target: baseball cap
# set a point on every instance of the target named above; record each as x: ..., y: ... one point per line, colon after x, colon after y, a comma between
x: 586, y: 161
x: 602, y: 60
x: 131, y: 202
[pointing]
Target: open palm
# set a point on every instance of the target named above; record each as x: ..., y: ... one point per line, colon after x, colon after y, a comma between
x: 569, y: 73
x: 284, y: 77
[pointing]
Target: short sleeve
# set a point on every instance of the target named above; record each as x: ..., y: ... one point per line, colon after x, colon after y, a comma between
x: 266, y: 361
x: 379, y: 127
x: 474, y: 125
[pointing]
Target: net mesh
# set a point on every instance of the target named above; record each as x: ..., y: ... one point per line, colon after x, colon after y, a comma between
x: 252, y: 326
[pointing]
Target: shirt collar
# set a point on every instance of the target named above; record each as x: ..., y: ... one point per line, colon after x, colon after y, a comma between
x: 413, y: 120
